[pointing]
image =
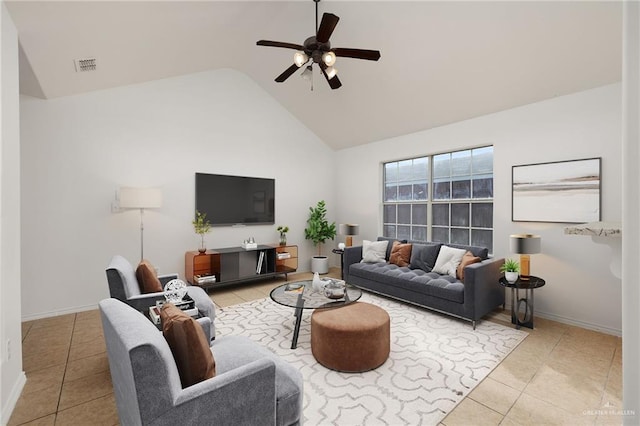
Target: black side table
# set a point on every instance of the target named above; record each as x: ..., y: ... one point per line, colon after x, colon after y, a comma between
x: 522, y: 313
x: 341, y: 253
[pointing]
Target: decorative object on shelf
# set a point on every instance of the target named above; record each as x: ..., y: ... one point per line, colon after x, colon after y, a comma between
x: 510, y: 269
x: 140, y: 198
x: 250, y: 244
x: 317, y: 49
x: 202, y: 227
x: 175, y: 290
x: 319, y: 230
x: 561, y: 191
x: 524, y: 245
x: 283, y: 234
x: 334, y: 289
x: 349, y: 229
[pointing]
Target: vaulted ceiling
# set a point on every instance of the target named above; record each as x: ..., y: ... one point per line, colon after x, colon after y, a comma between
x: 442, y: 61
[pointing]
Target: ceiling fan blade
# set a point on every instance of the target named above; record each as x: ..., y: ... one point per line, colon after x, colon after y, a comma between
x: 334, y: 82
x: 328, y: 24
x: 280, y: 44
x: 287, y: 73
x: 370, y: 55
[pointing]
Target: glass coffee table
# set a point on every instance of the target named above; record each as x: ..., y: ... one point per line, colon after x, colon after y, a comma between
x: 301, y: 295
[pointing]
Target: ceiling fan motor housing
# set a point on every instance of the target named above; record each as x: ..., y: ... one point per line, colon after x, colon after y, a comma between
x: 315, y: 49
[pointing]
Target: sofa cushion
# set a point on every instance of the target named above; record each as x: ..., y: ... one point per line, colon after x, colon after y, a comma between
x: 189, y: 346
x: 390, y: 245
x: 374, y: 251
x: 481, y: 252
x: 467, y: 259
x: 423, y: 256
x: 448, y: 260
x: 400, y: 254
x: 147, y: 278
x: 419, y: 281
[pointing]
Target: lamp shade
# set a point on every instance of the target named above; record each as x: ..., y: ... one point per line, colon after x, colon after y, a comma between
x: 140, y: 198
x: 525, y: 243
x: 349, y: 229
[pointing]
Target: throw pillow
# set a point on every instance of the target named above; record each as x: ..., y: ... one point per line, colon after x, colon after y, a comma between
x: 423, y: 256
x: 467, y: 260
x: 400, y: 254
x: 189, y: 345
x: 448, y: 260
x: 374, y: 251
x: 147, y: 278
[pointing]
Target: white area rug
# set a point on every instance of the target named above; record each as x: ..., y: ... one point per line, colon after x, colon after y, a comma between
x: 435, y: 361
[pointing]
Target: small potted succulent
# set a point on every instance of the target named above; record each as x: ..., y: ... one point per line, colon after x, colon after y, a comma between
x: 283, y: 234
x: 510, y: 269
x: 202, y: 227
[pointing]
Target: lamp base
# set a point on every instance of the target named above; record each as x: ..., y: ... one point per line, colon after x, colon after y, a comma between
x: 348, y: 241
x: 525, y: 262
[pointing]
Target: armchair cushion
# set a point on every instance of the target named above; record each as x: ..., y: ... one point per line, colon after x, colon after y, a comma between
x: 147, y: 278
x: 189, y: 346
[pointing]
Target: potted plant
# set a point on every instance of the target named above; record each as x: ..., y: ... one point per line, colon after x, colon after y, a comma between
x: 202, y: 227
x: 510, y: 269
x: 283, y: 234
x: 319, y: 230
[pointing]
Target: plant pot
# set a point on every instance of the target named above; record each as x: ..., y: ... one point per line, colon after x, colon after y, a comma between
x: 511, y: 277
x: 320, y: 264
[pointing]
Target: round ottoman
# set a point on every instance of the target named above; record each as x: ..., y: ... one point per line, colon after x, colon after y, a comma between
x: 352, y: 338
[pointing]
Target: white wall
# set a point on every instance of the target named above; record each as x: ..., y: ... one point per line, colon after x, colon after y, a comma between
x: 76, y: 151
x: 11, y: 374
x: 580, y: 287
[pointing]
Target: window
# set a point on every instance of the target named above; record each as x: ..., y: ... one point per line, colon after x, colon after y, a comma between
x: 445, y: 197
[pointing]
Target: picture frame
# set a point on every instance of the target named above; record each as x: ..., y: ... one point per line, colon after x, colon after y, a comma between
x: 558, y: 192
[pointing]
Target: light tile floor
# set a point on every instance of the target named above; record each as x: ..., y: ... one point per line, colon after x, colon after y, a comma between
x: 560, y: 374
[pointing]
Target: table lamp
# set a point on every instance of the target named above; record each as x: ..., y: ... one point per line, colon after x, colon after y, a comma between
x: 349, y: 230
x: 524, y: 245
x: 140, y: 198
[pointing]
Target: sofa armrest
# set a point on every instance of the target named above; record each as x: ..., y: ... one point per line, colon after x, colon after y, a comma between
x: 142, y: 302
x: 205, y: 323
x: 482, y: 290
x: 246, y: 394
x: 350, y: 256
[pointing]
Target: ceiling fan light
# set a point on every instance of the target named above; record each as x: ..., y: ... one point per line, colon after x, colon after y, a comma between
x: 300, y: 58
x: 307, y: 73
x: 329, y: 58
x: 331, y: 72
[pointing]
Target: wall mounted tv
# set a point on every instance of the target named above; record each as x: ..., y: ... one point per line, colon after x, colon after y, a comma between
x: 235, y: 200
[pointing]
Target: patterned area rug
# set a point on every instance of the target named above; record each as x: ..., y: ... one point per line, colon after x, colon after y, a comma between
x: 435, y: 361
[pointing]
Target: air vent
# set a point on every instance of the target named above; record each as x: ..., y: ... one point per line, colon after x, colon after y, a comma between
x: 87, y: 64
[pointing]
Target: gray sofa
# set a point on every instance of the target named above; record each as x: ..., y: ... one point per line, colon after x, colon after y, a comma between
x: 472, y: 299
x: 252, y: 386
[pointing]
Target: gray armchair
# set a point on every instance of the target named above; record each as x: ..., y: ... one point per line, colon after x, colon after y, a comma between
x: 252, y: 386
x: 123, y: 285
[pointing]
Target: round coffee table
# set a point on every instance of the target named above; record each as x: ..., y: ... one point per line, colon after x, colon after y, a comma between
x: 301, y: 295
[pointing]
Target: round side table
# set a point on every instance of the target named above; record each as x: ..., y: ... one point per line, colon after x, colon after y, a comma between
x: 522, y: 308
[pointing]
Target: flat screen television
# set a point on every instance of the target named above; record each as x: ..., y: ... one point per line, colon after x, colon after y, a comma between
x: 235, y: 200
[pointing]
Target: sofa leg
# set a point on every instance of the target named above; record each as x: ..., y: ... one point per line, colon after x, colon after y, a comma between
x: 474, y: 324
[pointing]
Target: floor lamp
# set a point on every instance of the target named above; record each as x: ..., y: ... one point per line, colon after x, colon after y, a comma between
x: 140, y: 198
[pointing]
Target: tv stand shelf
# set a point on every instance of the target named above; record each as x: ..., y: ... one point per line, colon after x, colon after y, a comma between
x: 235, y: 265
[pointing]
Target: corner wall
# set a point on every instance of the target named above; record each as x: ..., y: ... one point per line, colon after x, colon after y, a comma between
x: 77, y: 150
x: 12, y: 377
x: 580, y: 288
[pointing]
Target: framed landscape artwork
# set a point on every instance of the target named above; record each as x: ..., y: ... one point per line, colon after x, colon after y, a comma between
x: 561, y: 191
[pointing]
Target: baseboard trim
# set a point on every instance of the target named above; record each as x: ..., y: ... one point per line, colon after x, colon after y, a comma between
x: 59, y: 312
x: 578, y: 323
x: 14, y: 395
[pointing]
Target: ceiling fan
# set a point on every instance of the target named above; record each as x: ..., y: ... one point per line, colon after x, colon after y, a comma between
x: 317, y: 49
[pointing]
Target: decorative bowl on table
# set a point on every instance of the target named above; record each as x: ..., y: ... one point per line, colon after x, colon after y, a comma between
x: 334, y: 289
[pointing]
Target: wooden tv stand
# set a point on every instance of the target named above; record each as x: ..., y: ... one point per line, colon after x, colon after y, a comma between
x: 235, y: 265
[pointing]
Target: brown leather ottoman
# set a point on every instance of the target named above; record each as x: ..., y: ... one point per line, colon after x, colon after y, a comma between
x: 352, y: 338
